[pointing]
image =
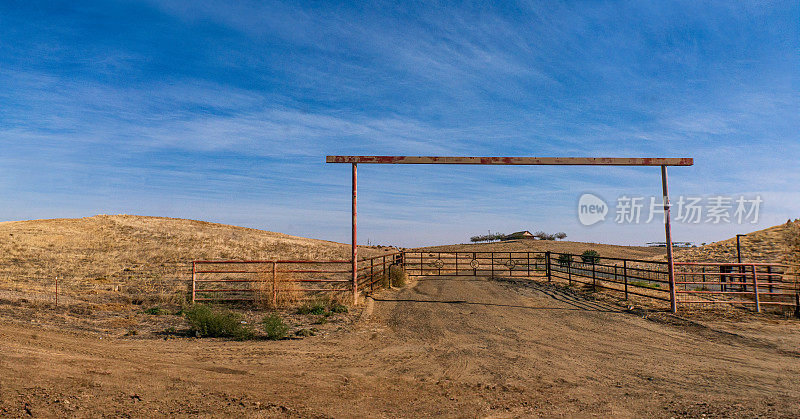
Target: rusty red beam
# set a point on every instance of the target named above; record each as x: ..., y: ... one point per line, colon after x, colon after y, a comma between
x: 543, y: 161
x: 270, y: 261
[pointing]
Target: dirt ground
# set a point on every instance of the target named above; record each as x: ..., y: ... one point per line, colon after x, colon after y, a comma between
x: 458, y: 347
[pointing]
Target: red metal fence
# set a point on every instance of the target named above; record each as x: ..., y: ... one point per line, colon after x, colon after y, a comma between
x: 755, y: 284
x: 639, y: 277
x: 277, y: 281
x: 750, y: 284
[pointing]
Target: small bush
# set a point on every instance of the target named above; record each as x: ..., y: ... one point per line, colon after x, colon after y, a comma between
x: 337, y: 307
x: 645, y: 284
x: 590, y: 256
x: 274, y: 327
x: 312, y: 307
x: 155, y: 311
x: 207, y: 322
x: 397, y: 276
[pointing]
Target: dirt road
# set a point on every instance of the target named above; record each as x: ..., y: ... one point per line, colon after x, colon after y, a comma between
x: 456, y: 347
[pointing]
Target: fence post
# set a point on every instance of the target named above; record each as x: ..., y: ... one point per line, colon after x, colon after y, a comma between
x: 755, y: 288
x: 492, y: 257
x: 372, y: 272
x: 547, y: 266
x: 594, y: 276
x: 274, y: 286
x: 569, y: 269
x: 194, y: 282
x: 420, y: 263
x: 528, y: 255
x: 625, y: 276
x: 456, y: 263
x: 475, y: 269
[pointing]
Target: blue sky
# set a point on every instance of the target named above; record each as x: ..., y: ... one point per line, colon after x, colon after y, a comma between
x: 223, y: 112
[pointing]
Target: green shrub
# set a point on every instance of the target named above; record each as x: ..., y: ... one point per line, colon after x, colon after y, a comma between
x: 155, y: 311
x: 565, y: 260
x: 274, y: 327
x: 645, y: 284
x: 397, y: 276
x: 208, y: 322
x: 337, y: 307
x: 312, y: 307
x: 590, y: 256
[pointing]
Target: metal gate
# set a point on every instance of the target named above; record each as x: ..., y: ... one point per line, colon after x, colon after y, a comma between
x: 492, y: 264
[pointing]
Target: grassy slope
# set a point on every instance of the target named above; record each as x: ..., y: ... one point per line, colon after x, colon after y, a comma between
x: 113, y: 249
x: 773, y: 244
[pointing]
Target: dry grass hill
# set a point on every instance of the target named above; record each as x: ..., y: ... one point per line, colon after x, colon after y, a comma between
x: 780, y: 243
x: 109, y: 252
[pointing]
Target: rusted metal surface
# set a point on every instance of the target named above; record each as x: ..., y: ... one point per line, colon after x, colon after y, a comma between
x: 755, y: 284
x: 194, y: 281
x: 354, y: 244
x: 238, y: 280
x: 545, y: 161
x: 668, y: 236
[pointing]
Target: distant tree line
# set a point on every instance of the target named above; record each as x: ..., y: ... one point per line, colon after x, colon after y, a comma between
x: 487, y: 237
x: 541, y: 235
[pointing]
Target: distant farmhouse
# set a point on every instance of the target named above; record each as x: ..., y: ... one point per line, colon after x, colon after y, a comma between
x: 519, y: 235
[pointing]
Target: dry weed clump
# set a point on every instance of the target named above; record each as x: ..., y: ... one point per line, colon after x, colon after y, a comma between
x: 278, y: 291
x: 397, y: 276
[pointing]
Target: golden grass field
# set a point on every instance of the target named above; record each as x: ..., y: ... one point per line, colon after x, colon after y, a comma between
x: 129, y: 255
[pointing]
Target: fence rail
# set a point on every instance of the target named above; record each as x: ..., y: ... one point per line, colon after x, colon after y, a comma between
x: 755, y: 284
x: 267, y: 280
x: 749, y: 284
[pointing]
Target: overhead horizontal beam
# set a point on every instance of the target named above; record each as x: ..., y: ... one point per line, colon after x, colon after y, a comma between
x: 545, y: 161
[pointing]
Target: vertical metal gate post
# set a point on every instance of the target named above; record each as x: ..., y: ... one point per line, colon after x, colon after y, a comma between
x: 755, y: 289
x: 353, y: 248
x: 475, y: 268
x: 528, y: 255
x: 569, y: 268
x: 668, y: 234
x: 547, y: 270
x: 625, y: 276
x: 194, y: 282
x: 274, y: 285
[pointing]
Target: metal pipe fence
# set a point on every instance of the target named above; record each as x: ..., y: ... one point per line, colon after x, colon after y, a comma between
x: 749, y: 284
